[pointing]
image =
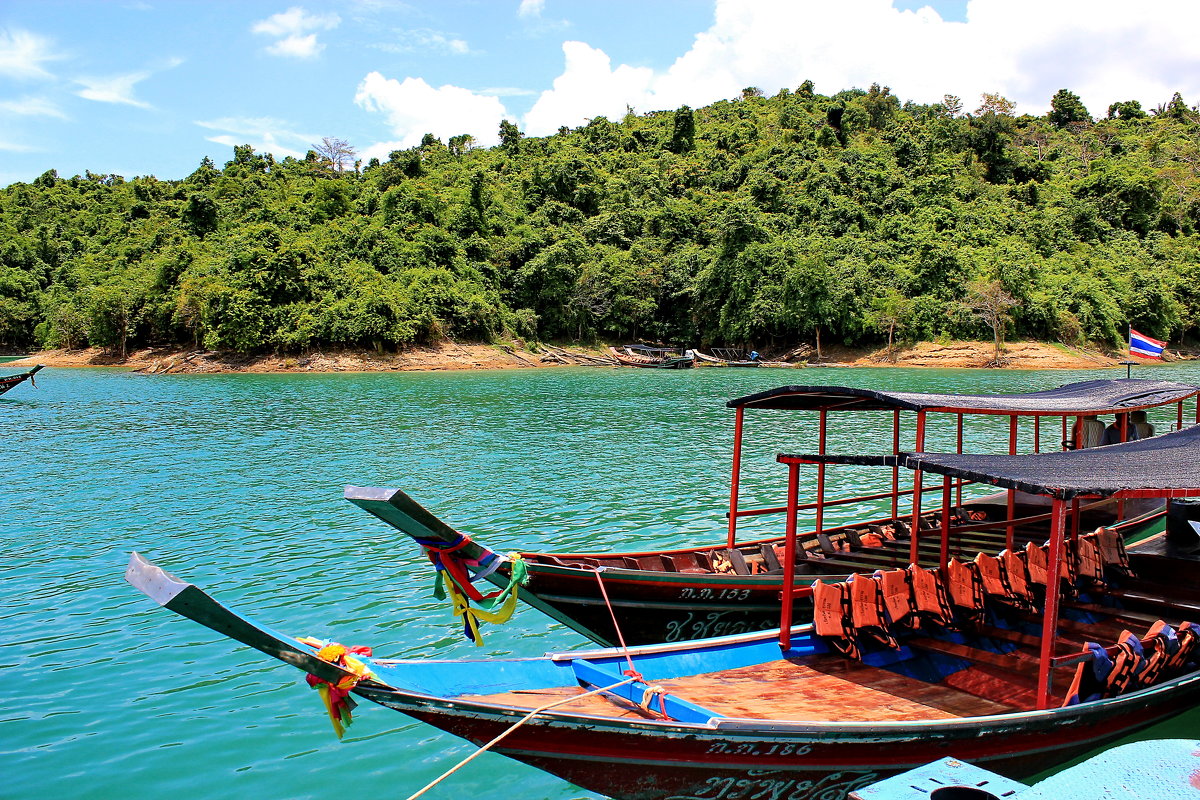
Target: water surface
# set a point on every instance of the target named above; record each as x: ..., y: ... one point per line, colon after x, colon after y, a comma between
x: 234, y: 482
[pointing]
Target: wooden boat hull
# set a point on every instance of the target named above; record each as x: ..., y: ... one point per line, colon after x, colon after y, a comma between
x: 651, y: 606
x: 710, y: 758
x: 661, y: 761
x: 646, y: 362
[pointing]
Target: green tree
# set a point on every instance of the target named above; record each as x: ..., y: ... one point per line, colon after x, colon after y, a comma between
x: 890, y: 312
x: 683, y: 131
x: 1066, y: 108
x: 510, y: 137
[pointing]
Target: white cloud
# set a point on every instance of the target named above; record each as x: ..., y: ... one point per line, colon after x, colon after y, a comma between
x: 32, y: 107
x: 113, y: 89
x: 294, y: 31
x: 424, y: 39
x: 22, y: 54
x: 507, y: 91
x: 413, y: 108
x: 296, y: 47
x: 1104, y: 50
x: 264, y: 134
x: 13, y: 147
x: 589, y: 87
x: 531, y: 8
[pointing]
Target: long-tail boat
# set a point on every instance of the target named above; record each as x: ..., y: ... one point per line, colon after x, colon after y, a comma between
x: 734, y: 586
x: 727, y: 357
x: 637, y: 355
x: 1015, y: 663
x: 12, y: 381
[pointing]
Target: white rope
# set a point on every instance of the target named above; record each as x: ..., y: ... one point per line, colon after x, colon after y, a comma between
x: 512, y: 728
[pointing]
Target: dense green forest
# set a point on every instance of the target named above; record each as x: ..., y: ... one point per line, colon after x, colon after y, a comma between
x: 763, y: 221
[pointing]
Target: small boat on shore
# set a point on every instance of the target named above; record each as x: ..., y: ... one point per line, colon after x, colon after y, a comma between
x: 637, y: 355
x: 12, y: 381
x: 733, y: 586
x: 728, y: 357
x: 1016, y: 664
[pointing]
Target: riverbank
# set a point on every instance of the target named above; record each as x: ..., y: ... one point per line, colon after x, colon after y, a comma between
x: 453, y: 356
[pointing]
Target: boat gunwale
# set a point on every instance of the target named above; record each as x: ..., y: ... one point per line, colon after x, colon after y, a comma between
x: 821, y: 730
x: 627, y: 573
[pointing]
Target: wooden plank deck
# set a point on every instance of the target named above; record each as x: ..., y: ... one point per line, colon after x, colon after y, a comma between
x: 825, y: 688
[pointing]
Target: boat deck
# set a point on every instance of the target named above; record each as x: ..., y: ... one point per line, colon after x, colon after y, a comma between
x: 790, y: 690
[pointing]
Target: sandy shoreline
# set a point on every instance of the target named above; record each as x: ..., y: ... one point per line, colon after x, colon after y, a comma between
x: 453, y: 356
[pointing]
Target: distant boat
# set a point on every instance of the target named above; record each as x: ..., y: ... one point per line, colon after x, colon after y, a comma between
x: 637, y: 355
x: 12, y: 381
x: 727, y: 357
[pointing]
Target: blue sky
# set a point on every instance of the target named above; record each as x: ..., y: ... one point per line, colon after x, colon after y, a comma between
x: 139, y: 87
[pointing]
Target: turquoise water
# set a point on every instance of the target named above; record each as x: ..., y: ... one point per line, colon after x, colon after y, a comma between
x: 234, y: 482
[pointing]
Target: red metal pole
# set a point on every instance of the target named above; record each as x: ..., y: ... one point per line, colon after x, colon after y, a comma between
x: 1053, y: 587
x: 945, y: 553
x: 916, y: 509
x: 1012, y: 495
x: 896, y: 470
x: 789, y: 555
x: 959, y: 451
x: 737, y: 469
x: 1179, y: 416
x: 821, y: 474
x: 1074, y: 518
x: 1064, y: 431
x: 1037, y: 434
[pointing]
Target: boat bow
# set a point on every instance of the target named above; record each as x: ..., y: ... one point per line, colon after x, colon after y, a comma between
x: 189, y: 600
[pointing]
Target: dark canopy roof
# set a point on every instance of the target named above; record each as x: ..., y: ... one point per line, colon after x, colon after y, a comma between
x: 1087, y: 397
x: 1167, y: 465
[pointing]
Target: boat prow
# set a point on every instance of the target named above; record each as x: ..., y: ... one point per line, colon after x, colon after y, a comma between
x: 396, y: 508
x: 189, y: 600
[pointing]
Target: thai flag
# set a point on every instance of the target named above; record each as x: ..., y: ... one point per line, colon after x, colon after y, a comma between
x: 1142, y: 345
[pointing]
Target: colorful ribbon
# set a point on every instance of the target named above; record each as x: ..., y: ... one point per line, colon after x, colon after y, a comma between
x: 496, y: 607
x: 336, y: 696
x: 453, y: 579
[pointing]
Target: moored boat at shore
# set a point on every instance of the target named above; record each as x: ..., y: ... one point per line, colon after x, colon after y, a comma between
x: 637, y: 355
x: 12, y: 381
x: 728, y: 357
x: 733, y: 586
x: 1060, y: 652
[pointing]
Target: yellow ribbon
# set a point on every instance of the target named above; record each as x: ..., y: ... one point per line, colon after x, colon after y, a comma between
x: 473, y: 615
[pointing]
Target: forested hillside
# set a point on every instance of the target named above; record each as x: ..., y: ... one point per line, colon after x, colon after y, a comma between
x: 762, y: 221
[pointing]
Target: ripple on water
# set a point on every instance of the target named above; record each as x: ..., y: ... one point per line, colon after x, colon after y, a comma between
x: 235, y: 482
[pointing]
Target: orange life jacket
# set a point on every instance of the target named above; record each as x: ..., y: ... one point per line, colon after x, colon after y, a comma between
x: 831, y: 616
x: 1112, y: 551
x: 1067, y: 562
x: 1155, y: 646
x: 1035, y: 563
x: 991, y: 574
x: 965, y: 585
x: 1090, y: 566
x: 929, y: 595
x: 867, y: 610
x: 1127, y: 662
x: 897, y: 595
x: 1188, y: 637
x: 1017, y: 578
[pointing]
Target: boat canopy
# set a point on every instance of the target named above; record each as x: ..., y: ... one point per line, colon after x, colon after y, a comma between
x: 1086, y: 397
x: 1160, y: 466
